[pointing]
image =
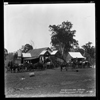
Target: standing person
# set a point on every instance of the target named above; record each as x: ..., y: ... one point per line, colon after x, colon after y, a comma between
x: 68, y: 65
x: 61, y: 67
x: 77, y: 65
x: 74, y: 64
x: 8, y: 67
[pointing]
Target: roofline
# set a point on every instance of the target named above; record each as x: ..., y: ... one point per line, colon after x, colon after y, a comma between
x: 41, y: 48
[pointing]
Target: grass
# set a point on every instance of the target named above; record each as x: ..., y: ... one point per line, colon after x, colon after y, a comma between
x: 50, y: 82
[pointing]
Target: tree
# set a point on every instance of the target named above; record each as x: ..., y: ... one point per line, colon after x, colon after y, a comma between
x: 5, y: 53
x: 89, y: 49
x: 10, y: 56
x: 79, y: 49
x: 89, y: 52
x: 26, y: 48
x: 62, y: 37
x: 15, y: 56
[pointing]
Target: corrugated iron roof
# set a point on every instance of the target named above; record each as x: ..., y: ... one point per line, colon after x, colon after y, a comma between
x: 43, y: 52
x: 30, y: 58
x: 76, y: 55
x: 54, y: 52
x: 36, y: 52
x: 26, y: 54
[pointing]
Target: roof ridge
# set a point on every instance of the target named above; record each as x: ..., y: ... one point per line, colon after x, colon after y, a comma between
x: 40, y: 48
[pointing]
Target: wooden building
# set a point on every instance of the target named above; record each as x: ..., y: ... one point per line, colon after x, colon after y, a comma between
x: 74, y: 55
x: 38, y: 55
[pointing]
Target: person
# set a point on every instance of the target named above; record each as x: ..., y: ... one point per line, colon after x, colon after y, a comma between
x: 74, y: 64
x: 61, y: 67
x: 77, y: 65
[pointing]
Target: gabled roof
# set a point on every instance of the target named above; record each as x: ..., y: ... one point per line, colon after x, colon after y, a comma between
x: 36, y: 52
x: 30, y: 58
x: 54, y: 52
x: 44, y: 51
x: 76, y: 55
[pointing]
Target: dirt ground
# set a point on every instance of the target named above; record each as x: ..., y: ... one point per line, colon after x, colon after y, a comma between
x: 51, y: 82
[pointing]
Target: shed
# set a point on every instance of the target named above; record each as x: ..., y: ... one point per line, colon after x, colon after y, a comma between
x: 74, y: 55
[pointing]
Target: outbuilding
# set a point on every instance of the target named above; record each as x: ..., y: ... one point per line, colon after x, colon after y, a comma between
x: 75, y: 59
x: 74, y: 55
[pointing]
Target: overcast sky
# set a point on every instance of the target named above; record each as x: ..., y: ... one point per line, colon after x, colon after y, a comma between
x: 23, y: 23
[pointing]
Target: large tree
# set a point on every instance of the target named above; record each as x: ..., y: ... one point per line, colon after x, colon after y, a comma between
x: 89, y: 49
x: 79, y: 49
x: 89, y: 52
x: 62, y: 36
x: 26, y: 48
x: 15, y: 56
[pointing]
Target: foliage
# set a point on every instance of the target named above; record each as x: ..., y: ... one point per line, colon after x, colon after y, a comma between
x: 89, y: 49
x: 15, y: 56
x: 27, y: 47
x: 10, y: 56
x: 79, y: 49
x: 89, y: 52
x: 5, y: 53
x: 62, y: 36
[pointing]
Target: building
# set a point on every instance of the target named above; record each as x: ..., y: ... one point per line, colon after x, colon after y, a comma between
x: 73, y: 55
x: 37, y: 55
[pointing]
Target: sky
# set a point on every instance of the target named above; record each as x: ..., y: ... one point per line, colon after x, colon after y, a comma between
x: 29, y: 23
